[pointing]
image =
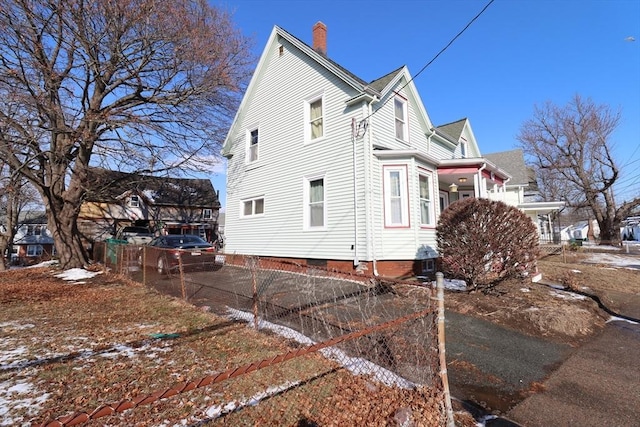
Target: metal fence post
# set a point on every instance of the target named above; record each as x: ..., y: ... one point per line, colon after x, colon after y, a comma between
x: 181, y: 270
x: 254, y: 286
x: 441, y: 350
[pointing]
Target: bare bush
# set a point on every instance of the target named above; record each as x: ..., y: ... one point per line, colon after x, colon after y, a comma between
x: 484, y: 241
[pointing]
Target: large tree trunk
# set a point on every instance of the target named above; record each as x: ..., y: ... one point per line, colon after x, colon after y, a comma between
x: 63, y: 222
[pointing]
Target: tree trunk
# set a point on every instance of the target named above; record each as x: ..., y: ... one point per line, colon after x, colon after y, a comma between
x: 609, y: 232
x: 67, y: 238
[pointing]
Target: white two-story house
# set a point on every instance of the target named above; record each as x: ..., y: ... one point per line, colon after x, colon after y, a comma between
x: 327, y: 169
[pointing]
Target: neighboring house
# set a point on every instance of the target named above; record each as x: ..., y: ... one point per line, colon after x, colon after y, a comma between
x: 166, y: 205
x: 33, y: 241
x: 631, y: 229
x: 522, y: 191
x: 580, y: 231
x: 327, y: 169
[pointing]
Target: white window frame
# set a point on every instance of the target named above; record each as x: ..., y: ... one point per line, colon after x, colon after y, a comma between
x: 403, y: 196
x: 404, y: 121
x: 131, y: 202
x: 463, y: 148
x: 253, y: 150
x: 253, y: 204
x: 307, y: 118
x: 207, y: 213
x: 307, y: 202
x: 431, y: 211
x: 34, y: 250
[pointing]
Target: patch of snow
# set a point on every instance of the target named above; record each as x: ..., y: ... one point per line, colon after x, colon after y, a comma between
x: 12, y: 400
x: 75, y: 274
x: 15, y: 326
x: 216, y: 411
x: 567, y: 295
x: 525, y: 290
x: 355, y: 365
x: 576, y: 271
x: 620, y: 319
x: 617, y: 260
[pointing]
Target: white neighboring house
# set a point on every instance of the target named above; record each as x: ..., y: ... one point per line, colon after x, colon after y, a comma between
x: 325, y: 168
x: 630, y: 230
x: 580, y: 230
x: 522, y: 192
x: 33, y: 241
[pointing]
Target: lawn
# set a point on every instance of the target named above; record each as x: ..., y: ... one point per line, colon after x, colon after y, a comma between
x: 73, y: 345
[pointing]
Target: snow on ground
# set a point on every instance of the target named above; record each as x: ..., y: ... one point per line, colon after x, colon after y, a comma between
x: 76, y: 274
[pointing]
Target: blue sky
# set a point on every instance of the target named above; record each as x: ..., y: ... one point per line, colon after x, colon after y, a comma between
x: 517, y: 54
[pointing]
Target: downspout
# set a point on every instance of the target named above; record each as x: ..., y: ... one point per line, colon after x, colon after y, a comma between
x: 369, y: 228
x: 356, y: 262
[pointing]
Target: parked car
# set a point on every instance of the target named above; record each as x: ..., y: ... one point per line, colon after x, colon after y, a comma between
x: 164, y: 253
x: 135, y: 235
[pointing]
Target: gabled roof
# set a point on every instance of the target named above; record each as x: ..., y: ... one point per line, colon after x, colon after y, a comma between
x: 373, y: 89
x: 454, y: 129
x: 512, y: 161
x: 110, y: 186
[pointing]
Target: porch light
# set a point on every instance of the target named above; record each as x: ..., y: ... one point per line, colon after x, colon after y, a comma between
x: 453, y: 187
x: 463, y: 179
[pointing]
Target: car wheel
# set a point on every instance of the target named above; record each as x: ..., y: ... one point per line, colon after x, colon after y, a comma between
x: 161, y: 266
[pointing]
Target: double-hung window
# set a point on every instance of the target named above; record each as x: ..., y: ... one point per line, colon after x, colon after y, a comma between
x: 252, y: 145
x: 395, y: 196
x: 34, y: 250
x: 426, y: 214
x: 314, y: 119
x: 315, y: 203
x: 206, y: 213
x: 134, y: 201
x: 252, y: 207
x: 400, y: 112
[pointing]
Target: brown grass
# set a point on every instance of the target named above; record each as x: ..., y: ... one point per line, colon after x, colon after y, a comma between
x: 83, y: 345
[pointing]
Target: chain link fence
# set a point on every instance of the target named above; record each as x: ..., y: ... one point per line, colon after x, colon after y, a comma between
x: 308, y: 305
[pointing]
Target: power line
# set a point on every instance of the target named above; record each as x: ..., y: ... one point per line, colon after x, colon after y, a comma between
x: 437, y: 55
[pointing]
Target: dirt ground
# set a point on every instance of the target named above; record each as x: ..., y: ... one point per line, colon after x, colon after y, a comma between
x: 541, y: 310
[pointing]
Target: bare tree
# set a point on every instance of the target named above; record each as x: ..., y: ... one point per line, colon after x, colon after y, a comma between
x: 572, y: 150
x: 15, y: 195
x: 134, y: 85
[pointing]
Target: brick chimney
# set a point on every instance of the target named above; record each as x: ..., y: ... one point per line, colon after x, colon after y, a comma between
x: 320, y: 38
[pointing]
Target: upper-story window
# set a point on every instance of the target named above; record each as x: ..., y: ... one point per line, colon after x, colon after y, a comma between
x: 315, y: 203
x: 463, y: 149
x: 252, y: 207
x: 252, y: 145
x: 314, y: 118
x: 400, y: 112
x: 396, y: 199
x: 426, y: 201
x: 206, y: 213
x: 34, y: 230
x: 134, y: 201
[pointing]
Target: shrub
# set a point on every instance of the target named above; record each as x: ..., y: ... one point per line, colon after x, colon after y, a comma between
x: 483, y: 242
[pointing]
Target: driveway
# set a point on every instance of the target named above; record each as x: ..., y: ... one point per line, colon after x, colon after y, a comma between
x: 599, y: 385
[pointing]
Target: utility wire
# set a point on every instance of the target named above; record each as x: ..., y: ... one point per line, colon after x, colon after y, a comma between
x: 436, y: 56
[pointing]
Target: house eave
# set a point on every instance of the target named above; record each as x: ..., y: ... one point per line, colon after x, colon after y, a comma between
x: 399, y: 154
x: 541, y: 207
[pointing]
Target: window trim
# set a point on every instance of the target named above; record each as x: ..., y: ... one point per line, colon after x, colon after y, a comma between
x: 253, y: 201
x: 307, y: 202
x: 428, y: 265
x: 249, y: 146
x: 443, y: 200
x: 431, y: 220
x: 405, y: 118
x: 307, y: 118
x: 206, y: 211
x: 405, y: 221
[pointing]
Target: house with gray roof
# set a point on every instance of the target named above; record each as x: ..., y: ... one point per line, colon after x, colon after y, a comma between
x: 33, y: 241
x: 329, y: 169
x: 522, y: 191
x: 166, y: 205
